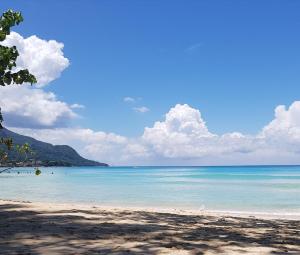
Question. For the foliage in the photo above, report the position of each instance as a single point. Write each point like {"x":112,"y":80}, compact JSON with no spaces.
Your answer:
{"x":8,"y":144}
{"x":22,"y":150}
{"x":8,"y":55}
{"x":11,"y":74}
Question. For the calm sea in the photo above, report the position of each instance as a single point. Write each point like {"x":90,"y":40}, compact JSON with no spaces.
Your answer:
{"x":274,"y":189}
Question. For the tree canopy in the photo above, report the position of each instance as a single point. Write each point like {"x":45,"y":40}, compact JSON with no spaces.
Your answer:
{"x":9,"y":73}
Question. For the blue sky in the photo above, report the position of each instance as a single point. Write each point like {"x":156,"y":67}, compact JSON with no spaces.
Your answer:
{"x":235,"y":61}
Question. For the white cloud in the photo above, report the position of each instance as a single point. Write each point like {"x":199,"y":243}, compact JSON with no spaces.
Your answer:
{"x":31,"y":107}
{"x":104,"y":147}
{"x":77,"y":106}
{"x":23,"y":106}
{"x":129,"y":100}
{"x":142,"y":109}
{"x":44,"y":59}
{"x":283,"y":132}
{"x":184,"y":135}
{"x":286,"y":123}
{"x":177,"y":135}
{"x":139,"y":109}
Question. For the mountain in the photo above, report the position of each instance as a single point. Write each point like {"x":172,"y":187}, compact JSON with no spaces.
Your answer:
{"x":47,"y":154}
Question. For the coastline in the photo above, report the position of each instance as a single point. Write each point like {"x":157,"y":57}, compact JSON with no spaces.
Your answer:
{"x":55,"y":228}
{"x":153,"y":209}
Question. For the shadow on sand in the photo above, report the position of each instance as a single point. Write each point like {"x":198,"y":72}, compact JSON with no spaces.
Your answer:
{"x":25,"y":230}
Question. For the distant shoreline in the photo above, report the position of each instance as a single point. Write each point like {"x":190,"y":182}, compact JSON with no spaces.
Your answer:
{"x":208,"y":166}
{"x":50,"y":165}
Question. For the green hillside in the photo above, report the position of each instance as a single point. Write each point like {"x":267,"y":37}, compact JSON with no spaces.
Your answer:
{"x":46,"y":154}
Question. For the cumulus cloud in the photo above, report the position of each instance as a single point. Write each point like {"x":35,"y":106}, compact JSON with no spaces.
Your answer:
{"x":142,"y":109}
{"x":44,"y":59}
{"x":177,"y":135}
{"x":184,"y":134}
{"x":33,"y":108}
{"x":283,"y":132}
{"x":286,"y":123}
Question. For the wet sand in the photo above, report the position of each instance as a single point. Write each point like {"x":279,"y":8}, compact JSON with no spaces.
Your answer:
{"x":47,"y":228}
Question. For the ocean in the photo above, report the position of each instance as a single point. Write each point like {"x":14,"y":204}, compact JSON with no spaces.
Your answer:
{"x":261,"y":189}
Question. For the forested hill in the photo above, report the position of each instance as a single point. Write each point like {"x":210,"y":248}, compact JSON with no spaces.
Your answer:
{"x":46,"y":154}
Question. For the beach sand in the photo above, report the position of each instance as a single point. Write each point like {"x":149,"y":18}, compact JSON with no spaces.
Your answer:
{"x":45,"y":228}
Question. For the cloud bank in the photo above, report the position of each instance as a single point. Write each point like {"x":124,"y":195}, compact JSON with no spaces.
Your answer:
{"x":183,"y":138}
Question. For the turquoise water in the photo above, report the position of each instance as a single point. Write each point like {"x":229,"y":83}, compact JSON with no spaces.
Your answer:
{"x":251,"y":189}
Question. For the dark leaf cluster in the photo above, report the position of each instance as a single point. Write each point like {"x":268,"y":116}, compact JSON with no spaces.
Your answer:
{"x":8,"y":55}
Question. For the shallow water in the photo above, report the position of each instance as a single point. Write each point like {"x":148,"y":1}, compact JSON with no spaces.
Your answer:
{"x":271,"y":189}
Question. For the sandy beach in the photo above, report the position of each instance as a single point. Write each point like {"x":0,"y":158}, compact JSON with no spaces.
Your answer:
{"x":44,"y":228}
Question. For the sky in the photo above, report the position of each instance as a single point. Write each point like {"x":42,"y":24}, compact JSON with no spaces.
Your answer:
{"x":160,"y":82}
